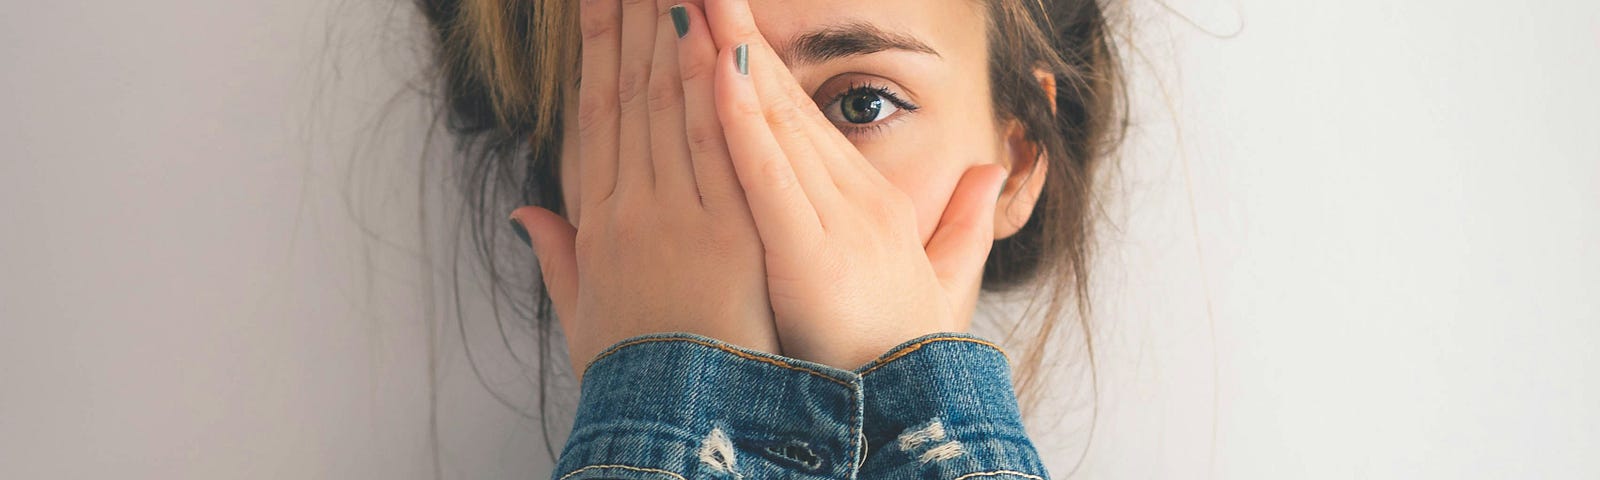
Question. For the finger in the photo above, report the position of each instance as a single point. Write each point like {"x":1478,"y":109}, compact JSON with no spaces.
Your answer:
{"x":634,"y":168}
{"x":669,"y":155}
{"x":552,"y":239}
{"x":697,"y":66}
{"x":600,"y":23}
{"x":961,"y":242}
{"x":784,"y":215}
{"x":794,"y":125}
{"x":803,"y":128}
{"x":732,"y":25}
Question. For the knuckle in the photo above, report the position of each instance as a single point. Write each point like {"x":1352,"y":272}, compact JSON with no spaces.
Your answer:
{"x":630,"y":84}
{"x":664,"y":97}
{"x":695,"y":67}
{"x":784,"y":120}
{"x":595,"y":111}
{"x":747,"y":107}
{"x":597,"y":25}
{"x":776,"y":174}
{"x":717,"y":197}
{"x":703,"y":137}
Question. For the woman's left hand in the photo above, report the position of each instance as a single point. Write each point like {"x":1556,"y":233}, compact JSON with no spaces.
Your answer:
{"x":847,"y":272}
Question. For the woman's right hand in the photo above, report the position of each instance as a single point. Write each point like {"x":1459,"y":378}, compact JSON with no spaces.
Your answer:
{"x":664,"y":240}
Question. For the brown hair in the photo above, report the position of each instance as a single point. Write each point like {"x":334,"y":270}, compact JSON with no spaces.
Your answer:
{"x":501,"y":65}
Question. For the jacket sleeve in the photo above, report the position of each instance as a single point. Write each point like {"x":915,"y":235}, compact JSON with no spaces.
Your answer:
{"x":943,"y":407}
{"x":681,"y":406}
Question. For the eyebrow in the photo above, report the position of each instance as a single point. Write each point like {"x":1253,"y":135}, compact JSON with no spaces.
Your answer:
{"x":846,"y":40}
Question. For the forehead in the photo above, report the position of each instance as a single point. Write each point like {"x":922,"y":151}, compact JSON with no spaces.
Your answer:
{"x":953,"y":26}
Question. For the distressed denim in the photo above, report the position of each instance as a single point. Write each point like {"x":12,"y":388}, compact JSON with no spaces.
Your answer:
{"x":680,"y":406}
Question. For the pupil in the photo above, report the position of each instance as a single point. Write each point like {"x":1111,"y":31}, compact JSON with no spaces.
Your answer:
{"x":862,"y":107}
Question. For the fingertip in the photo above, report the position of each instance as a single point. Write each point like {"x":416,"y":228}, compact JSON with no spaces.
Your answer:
{"x":522,"y":232}
{"x":524,"y":214}
{"x":741,"y":59}
{"x":680,"y":19}
{"x":536,"y":223}
{"x":518,"y":214}
{"x":697,"y":53}
{"x":734,"y":93}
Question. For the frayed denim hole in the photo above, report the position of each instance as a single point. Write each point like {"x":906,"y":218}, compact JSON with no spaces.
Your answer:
{"x":717,"y":453}
{"x":795,"y":453}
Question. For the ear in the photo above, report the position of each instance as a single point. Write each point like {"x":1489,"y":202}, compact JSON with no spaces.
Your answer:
{"x":1026,"y":165}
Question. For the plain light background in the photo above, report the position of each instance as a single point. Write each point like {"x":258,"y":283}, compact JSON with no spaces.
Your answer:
{"x":1357,"y":239}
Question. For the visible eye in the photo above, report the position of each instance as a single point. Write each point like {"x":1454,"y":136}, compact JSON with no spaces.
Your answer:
{"x":860,"y":107}
{"x":864,"y":104}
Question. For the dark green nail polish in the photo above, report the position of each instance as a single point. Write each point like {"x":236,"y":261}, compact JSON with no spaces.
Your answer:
{"x":680,"y":19}
{"x":522,"y":233}
{"x":741,"y":58}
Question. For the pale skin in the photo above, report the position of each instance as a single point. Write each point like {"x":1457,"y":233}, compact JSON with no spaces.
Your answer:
{"x":763,"y":209}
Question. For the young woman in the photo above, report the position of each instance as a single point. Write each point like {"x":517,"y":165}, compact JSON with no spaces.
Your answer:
{"x":763,"y":225}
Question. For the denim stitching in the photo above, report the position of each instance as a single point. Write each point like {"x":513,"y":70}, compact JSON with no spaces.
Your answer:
{"x":857,"y":421}
{"x":737,"y":353}
{"x":998,"y":473}
{"x":915,"y":346}
{"x":624,"y":467}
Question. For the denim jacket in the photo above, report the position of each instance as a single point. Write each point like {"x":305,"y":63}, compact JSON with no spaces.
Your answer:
{"x":679,"y":406}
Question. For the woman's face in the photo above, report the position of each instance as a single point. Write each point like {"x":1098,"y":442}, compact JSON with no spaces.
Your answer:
{"x":907,"y":81}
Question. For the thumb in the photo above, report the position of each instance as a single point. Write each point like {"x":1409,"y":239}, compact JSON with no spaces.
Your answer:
{"x":552,"y":238}
{"x":961,"y":242}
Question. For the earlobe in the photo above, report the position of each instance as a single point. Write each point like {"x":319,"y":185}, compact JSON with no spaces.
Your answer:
{"x":1028,"y":168}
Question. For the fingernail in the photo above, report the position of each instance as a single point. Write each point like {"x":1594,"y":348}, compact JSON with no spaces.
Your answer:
{"x":522,"y":233}
{"x":741,"y":58}
{"x":680,"y":20}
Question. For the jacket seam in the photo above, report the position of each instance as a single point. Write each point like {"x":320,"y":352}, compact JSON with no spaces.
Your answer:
{"x":735,"y":352}
{"x":906,"y":350}
{"x":996,"y":473}
{"x":623,"y":467}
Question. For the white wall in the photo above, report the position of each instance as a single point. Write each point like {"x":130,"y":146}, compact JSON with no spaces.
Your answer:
{"x":1359,"y":240}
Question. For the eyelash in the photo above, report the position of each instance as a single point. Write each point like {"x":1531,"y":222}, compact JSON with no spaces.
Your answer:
{"x":864,"y":130}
